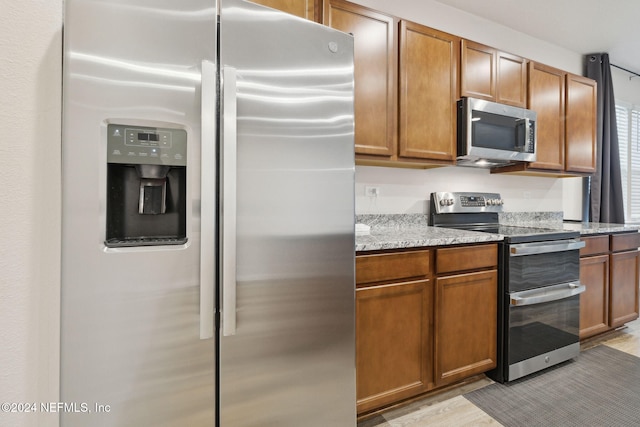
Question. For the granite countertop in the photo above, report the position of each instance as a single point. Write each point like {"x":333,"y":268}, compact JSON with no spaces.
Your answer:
{"x":413,"y":237}
{"x":412,"y":231}
{"x":586,"y":228}
{"x":399,"y":231}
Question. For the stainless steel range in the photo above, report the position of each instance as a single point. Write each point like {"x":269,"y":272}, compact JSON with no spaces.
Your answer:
{"x":539,"y":283}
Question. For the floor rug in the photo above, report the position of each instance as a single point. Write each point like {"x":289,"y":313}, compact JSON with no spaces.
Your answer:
{"x":601,"y":387}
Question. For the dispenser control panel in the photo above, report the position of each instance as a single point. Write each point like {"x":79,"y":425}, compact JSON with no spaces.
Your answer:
{"x":146,"y":145}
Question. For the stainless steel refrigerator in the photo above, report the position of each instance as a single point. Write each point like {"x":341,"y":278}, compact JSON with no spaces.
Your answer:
{"x":208,"y":217}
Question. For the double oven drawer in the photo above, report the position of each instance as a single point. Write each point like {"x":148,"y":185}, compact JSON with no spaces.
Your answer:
{"x":542,"y":305}
{"x":541,"y":264}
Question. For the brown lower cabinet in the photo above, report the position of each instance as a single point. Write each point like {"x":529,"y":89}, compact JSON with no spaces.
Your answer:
{"x":465,"y":337}
{"x":609,"y":268}
{"x":425,"y":318}
{"x":393,"y":336}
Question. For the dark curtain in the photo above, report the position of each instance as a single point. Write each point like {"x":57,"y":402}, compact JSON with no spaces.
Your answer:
{"x":605,"y":186}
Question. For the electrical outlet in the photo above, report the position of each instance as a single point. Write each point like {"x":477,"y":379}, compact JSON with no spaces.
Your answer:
{"x":371,"y":191}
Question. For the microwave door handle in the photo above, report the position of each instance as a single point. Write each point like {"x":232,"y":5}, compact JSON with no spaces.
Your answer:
{"x":521,"y":137}
{"x":207,"y":196}
{"x":519,"y":299}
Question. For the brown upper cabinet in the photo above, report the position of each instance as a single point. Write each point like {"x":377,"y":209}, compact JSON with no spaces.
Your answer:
{"x":487,"y":73}
{"x":566,"y":124}
{"x":428,"y":91}
{"x":581,"y":112}
{"x":547,"y":99}
{"x":308,"y":9}
{"x":375,"y":61}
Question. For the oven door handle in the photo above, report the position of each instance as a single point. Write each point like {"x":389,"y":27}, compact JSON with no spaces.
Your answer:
{"x":546,"y":294}
{"x":545,"y":247}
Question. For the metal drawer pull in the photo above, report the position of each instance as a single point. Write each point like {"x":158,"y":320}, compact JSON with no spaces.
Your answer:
{"x":546,"y":294}
{"x":545,"y":247}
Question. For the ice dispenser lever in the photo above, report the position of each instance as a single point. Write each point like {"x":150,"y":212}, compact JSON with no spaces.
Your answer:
{"x":153,"y":189}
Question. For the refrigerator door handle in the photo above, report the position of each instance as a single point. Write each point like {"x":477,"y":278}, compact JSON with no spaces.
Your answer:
{"x":228,"y":200}
{"x":207,"y":199}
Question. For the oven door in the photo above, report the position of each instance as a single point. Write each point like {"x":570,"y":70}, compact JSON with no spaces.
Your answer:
{"x":542,"y":328}
{"x":540,"y":264}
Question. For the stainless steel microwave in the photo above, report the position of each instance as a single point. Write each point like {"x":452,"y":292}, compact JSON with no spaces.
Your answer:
{"x":492,"y":134}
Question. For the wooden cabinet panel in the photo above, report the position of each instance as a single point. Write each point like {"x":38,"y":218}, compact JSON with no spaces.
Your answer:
{"x":624,"y":288}
{"x":393,"y":343}
{"x":595,"y":245}
{"x":428,"y":92}
{"x":625,"y":241}
{"x":546,"y":97}
{"x":477,"y":71}
{"x":466,"y":258}
{"x":511,"y":80}
{"x":594,"y":302}
{"x":580,"y":132}
{"x":465,"y":325}
{"x":308,"y":9}
{"x":386,"y":267}
{"x":487,"y":73}
{"x":612,"y":279}
{"x":375,"y":61}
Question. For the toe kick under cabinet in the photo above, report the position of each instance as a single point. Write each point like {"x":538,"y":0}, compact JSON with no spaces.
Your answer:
{"x":609,"y":268}
{"x":425,"y":318}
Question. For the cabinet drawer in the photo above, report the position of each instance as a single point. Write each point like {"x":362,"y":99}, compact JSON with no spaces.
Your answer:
{"x":624,"y":242}
{"x":466,"y":258}
{"x":595,"y":245}
{"x":390,"y":267}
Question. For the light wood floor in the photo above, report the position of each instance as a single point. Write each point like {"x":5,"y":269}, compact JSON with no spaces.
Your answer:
{"x":451,"y":409}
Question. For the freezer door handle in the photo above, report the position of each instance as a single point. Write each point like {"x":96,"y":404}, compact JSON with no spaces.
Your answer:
{"x":207,"y":199}
{"x":228,"y":200}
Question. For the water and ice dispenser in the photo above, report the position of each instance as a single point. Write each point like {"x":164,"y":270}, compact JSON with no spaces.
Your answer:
{"x":146,"y":186}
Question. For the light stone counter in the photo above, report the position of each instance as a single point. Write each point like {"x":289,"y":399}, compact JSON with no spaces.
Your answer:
{"x":586,"y":228}
{"x":399,"y":231}
{"x":412,"y":231}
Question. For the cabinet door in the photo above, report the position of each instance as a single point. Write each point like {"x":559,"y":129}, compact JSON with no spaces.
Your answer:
{"x":477,"y":71}
{"x":428,"y":92}
{"x":465,"y":325}
{"x":624,"y":288}
{"x":308,"y":9}
{"x":511,"y":80}
{"x":393,"y":350}
{"x":546,"y":97}
{"x":375,"y":57}
{"x":594,"y":302}
{"x":580,"y":139}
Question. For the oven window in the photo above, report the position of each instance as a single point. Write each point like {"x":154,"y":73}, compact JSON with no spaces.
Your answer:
{"x":535,"y":271}
{"x":540,"y":328}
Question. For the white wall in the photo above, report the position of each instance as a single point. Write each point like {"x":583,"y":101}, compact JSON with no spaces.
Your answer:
{"x":30,"y":84}
{"x":407,"y":190}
